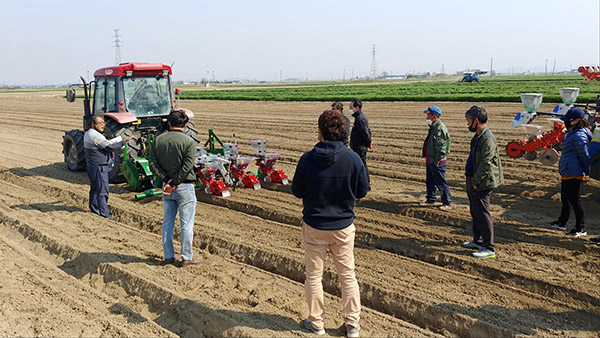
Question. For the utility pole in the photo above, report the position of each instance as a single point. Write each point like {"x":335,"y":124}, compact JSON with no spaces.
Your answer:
{"x":117,"y":45}
{"x":344,"y":78}
{"x":373,"y":65}
{"x":491,"y":67}
{"x":554,"y":67}
{"x":546,"y":68}
{"x":280,"y":76}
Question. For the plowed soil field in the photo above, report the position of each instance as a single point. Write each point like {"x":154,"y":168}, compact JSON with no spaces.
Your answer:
{"x":67,"y":272}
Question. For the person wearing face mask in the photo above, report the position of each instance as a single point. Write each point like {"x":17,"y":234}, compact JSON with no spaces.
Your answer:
{"x":574,"y":168}
{"x":483,"y":173}
{"x":435,"y":149}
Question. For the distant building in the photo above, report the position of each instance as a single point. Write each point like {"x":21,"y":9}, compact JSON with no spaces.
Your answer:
{"x":394,"y":77}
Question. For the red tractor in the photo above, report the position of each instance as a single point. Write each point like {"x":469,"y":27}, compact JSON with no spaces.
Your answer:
{"x":135,"y":99}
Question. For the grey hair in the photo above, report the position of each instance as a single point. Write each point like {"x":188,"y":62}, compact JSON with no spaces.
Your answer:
{"x":95,"y":118}
{"x":477,"y":112}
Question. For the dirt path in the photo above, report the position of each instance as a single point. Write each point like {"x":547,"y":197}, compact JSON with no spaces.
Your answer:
{"x":65,"y":265}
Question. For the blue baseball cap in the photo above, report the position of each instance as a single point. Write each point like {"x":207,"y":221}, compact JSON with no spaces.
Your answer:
{"x":433,"y":110}
{"x":573,"y":113}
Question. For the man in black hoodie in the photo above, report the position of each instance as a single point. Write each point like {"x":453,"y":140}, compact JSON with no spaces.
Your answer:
{"x":328,"y":179}
{"x":360,"y":137}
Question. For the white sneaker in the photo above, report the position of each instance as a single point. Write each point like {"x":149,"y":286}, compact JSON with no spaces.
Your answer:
{"x":484,"y":253}
{"x":445,"y":207}
{"x":352,"y":331}
{"x":307,"y":324}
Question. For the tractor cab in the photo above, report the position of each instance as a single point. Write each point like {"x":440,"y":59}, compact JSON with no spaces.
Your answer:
{"x":134,"y":92}
{"x":135,"y":100}
{"x":139,"y":89}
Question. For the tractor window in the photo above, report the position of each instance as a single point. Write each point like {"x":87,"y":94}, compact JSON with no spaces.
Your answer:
{"x":145,"y":96}
{"x":104,"y":96}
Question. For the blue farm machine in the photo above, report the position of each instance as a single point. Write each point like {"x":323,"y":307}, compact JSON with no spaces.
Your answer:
{"x":472,"y":76}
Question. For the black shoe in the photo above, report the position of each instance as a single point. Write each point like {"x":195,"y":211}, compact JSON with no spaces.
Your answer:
{"x":595,"y":239}
{"x":577,"y":232}
{"x":558,"y":225}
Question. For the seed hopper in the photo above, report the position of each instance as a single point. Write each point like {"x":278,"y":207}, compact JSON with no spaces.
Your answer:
{"x":541,"y":144}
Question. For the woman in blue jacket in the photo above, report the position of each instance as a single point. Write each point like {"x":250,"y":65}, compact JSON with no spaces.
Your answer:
{"x":574,"y":168}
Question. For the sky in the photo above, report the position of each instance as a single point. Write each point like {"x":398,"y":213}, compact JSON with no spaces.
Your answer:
{"x":54,"y":42}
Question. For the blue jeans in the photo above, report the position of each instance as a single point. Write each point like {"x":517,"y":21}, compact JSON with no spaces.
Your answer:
{"x":184,"y":200}
{"x":436,"y":179}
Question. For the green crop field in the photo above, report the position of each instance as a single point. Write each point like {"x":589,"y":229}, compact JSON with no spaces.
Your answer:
{"x":496,"y":89}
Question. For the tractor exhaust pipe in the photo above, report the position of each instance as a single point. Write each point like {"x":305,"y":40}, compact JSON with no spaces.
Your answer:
{"x":87,"y":109}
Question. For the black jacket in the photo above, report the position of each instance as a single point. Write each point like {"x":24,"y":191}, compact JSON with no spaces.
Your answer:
{"x":328,"y":179}
{"x":360,"y":137}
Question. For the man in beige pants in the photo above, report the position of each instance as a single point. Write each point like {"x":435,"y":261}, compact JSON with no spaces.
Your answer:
{"x":328,"y":179}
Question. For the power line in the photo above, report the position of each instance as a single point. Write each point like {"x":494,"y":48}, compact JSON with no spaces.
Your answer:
{"x":117,"y":45}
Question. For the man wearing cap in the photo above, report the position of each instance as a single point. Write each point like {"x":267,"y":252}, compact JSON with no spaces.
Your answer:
{"x":435,"y":149}
{"x":574,"y":168}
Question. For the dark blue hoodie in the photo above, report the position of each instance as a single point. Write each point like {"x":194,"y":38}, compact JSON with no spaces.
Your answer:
{"x":328,"y":179}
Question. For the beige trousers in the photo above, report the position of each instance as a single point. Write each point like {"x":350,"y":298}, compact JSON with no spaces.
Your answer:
{"x":341,"y":244}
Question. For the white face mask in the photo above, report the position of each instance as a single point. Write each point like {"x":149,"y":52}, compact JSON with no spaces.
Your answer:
{"x":429,"y":122}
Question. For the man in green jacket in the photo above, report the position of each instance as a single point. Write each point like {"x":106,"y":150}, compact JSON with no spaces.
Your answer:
{"x":171,"y":158}
{"x":484,"y":173}
{"x":435,"y":149}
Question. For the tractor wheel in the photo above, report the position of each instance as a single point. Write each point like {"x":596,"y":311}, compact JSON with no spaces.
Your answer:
{"x":73,"y":150}
{"x":191,"y":131}
{"x":513,"y":149}
{"x":114,"y":129}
